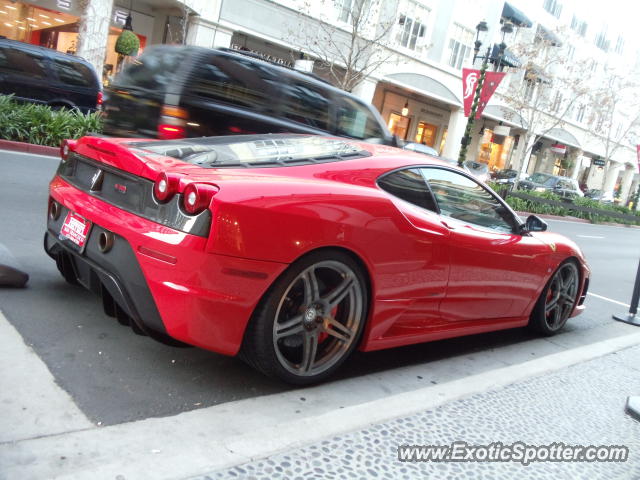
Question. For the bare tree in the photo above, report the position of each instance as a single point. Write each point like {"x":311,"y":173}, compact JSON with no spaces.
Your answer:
{"x":615,"y":113}
{"x":551,"y":85}
{"x":349,"y":41}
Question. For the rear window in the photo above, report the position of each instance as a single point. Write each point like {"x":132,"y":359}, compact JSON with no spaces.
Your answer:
{"x":155,"y":70}
{"x":255,"y":151}
{"x":74,"y":73}
{"x":236,"y":81}
{"x":14,"y":61}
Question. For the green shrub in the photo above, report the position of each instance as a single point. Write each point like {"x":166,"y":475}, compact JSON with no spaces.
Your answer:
{"x":43,"y":125}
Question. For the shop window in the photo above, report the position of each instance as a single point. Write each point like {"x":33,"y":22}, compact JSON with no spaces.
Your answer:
{"x":13,"y":61}
{"x":410,"y":186}
{"x":426,"y":134}
{"x":460,"y":46}
{"x":74,"y":73}
{"x":411,"y":28}
{"x":399,"y":125}
{"x":356,"y":120}
{"x":307,"y":105}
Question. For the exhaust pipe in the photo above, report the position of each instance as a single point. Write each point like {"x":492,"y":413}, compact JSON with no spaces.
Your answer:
{"x":105,"y":241}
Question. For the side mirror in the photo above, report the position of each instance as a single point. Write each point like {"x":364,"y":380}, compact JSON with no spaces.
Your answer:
{"x":533,"y":224}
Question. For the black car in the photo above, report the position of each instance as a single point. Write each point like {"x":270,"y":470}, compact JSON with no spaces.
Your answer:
{"x":42,"y":75}
{"x":543,"y":182}
{"x":185,"y":91}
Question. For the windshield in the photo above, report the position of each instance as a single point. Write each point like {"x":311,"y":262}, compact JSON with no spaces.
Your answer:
{"x":542,"y":178}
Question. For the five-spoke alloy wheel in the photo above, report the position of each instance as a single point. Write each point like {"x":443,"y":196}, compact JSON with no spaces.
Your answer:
{"x":557,"y":300}
{"x":310,"y":320}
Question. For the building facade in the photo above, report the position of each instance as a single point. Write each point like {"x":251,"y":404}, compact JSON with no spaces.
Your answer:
{"x":417,"y":88}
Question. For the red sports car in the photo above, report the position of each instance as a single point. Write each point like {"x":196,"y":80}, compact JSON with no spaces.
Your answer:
{"x":293,"y":250}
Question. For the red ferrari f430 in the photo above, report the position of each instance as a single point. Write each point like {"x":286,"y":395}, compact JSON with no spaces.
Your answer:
{"x":291,"y":251}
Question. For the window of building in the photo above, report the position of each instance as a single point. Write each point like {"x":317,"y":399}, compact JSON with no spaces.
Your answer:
{"x":347,"y":8}
{"x":463,"y":199}
{"x":578,"y":26}
{"x":580,"y":111}
{"x":602,"y":42}
{"x":412,"y":25}
{"x":554,"y":7}
{"x":529,"y":89}
{"x":460,"y":46}
{"x":619,"y":45}
{"x":571,"y":51}
{"x":557,"y":102}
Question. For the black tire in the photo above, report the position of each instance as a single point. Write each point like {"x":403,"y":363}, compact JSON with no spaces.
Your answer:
{"x":302,"y":337}
{"x":557,"y":300}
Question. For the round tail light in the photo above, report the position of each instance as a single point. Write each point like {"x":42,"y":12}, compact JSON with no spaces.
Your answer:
{"x":166,"y":186}
{"x":197,"y":197}
{"x":67,"y":147}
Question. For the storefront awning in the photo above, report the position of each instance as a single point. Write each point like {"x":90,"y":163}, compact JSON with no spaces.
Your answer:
{"x":562,"y":136}
{"x":508,"y":58}
{"x":548,"y":36}
{"x":424,"y":85}
{"x":515,"y":16}
{"x":505,"y":115}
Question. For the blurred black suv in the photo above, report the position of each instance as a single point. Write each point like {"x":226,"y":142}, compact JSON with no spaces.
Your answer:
{"x":185,"y":91}
{"x":46,"y":76}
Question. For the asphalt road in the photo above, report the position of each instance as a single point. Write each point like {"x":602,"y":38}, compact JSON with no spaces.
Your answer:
{"x":116,"y":376}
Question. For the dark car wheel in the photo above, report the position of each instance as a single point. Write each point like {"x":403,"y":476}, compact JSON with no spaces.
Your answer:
{"x":310,"y":320}
{"x":557,"y":300}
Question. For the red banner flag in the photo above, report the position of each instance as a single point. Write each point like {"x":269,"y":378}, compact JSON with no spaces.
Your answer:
{"x":491,"y":82}
{"x":638,"y":153}
{"x":469,"y":82}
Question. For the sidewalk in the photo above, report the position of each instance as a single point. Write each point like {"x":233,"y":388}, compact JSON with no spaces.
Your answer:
{"x":582,"y":404}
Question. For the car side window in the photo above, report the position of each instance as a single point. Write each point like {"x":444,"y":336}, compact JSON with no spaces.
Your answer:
{"x":409,"y":185}
{"x":16,"y":61}
{"x":235,"y":81}
{"x":74,"y":73}
{"x":306,"y":104}
{"x":462,"y":198}
{"x":154,"y":70}
{"x":355,"y":120}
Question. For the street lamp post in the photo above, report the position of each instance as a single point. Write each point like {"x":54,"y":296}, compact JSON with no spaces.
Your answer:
{"x":481,"y":28}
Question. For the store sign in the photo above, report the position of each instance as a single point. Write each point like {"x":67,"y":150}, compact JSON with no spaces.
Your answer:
{"x":470,"y":82}
{"x":264,"y":56}
{"x":559,"y":148}
{"x":64,"y":4}
{"x":120,"y":17}
{"x":599,"y":162}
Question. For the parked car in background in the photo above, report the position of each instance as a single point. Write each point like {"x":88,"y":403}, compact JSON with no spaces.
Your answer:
{"x":45,"y":76}
{"x":292,"y":251}
{"x":420,"y":148}
{"x":174,"y":92}
{"x":480,"y":170}
{"x":507,"y":175}
{"x":596,"y":194}
{"x":543,"y":182}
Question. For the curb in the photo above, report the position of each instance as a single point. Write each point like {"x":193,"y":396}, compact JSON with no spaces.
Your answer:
{"x":29,"y":148}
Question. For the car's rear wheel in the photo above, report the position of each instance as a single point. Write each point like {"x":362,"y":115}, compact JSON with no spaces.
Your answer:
{"x":557,"y":300}
{"x":310,"y":320}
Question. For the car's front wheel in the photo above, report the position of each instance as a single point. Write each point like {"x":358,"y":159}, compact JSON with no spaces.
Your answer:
{"x":557,"y":300}
{"x":310,"y":320}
